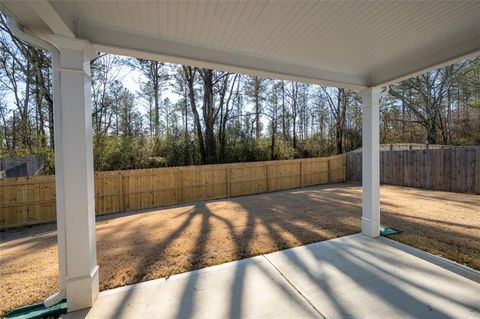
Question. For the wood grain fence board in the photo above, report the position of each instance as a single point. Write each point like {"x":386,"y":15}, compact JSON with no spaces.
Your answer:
{"x":455,"y":169}
{"x":24,"y":200}
{"x":470,"y":168}
{"x":315,"y":172}
{"x":428,"y":170}
{"x":418,"y":169}
{"x":455,"y":165}
{"x":447,"y":168}
{"x":28,"y":201}
{"x":439,"y":159}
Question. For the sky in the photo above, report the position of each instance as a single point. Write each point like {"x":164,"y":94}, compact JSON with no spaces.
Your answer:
{"x":131,"y":79}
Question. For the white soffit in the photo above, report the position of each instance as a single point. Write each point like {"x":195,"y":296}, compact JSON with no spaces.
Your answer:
{"x":343,"y":43}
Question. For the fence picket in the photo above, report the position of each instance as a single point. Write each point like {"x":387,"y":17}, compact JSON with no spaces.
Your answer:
{"x":453,"y":169}
{"x":28,"y":201}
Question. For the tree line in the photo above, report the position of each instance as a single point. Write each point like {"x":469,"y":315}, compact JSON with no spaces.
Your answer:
{"x":185,"y":115}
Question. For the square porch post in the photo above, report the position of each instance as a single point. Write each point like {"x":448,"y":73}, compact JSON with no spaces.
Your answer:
{"x":74,"y":173}
{"x":370,"y":162}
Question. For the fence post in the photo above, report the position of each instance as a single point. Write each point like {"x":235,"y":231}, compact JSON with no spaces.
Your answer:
{"x":328,"y":170}
{"x":19,"y":193}
{"x":301,"y":173}
{"x":120,"y":177}
{"x":267,"y":174}
{"x":152,"y":185}
{"x":179,"y":183}
{"x":227,"y":175}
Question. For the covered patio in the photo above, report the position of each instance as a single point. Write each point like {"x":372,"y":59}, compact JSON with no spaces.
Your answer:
{"x":358,"y":45}
{"x":354,"y":276}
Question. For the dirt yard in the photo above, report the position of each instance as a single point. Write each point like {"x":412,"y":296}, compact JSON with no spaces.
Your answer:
{"x":134,"y":247}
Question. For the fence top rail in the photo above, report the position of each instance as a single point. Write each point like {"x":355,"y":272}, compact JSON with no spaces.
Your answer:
{"x":27,"y":179}
{"x":172,"y":170}
{"x":434,"y":150}
{"x":418,"y":147}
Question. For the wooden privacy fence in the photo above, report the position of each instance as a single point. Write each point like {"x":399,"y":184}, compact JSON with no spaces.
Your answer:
{"x":28,"y":201}
{"x":454,"y":169}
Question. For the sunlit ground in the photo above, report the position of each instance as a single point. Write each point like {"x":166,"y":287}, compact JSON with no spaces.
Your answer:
{"x":134,"y":247}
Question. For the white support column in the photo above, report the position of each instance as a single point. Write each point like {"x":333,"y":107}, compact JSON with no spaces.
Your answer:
{"x":74,"y":174}
{"x":370,"y":162}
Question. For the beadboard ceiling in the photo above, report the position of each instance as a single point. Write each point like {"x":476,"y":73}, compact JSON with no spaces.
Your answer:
{"x":344,"y":43}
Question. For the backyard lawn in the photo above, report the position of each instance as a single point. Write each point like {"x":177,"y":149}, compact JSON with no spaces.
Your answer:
{"x":139,"y":246}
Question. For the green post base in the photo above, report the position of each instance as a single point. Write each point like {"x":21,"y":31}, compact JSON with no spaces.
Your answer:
{"x":384,"y":231}
{"x":38,"y":311}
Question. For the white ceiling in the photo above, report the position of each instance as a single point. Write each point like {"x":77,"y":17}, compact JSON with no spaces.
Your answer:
{"x":346,"y":43}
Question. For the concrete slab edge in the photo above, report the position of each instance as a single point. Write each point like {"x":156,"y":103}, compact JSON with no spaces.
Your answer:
{"x":459,"y":269}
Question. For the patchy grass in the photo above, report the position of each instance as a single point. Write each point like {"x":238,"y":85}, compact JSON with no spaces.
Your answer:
{"x":134,"y":247}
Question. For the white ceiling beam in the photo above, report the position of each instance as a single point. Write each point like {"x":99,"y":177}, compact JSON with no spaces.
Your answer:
{"x":141,"y":46}
{"x":52,"y":19}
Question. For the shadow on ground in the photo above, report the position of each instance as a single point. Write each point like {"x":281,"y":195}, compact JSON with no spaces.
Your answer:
{"x":140,"y":246}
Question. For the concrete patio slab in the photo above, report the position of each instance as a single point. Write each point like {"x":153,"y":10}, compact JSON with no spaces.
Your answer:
{"x":249,"y":288}
{"x":359,"y":277}
{"x":348,"y":277}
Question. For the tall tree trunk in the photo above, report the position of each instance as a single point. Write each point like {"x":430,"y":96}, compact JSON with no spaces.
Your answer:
{"x":189,"y":74}
{"x":5,"y":128}
{"x":257,"y":108}
{"x":284,"y":114}
{"x":51,"y":130}
{"x":449,"y":116}
{"x":431,"y":127}
{"x":343,"y":103}
{"x":273,"y":155}
{"x":25,"y":125}
{"x":155,"y":99}
{"x":186,"y":154}
{"x":294,"y":113}
{"x":38,"y":101}
{"x":14,"y":131}
{"x":208,"y":115}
